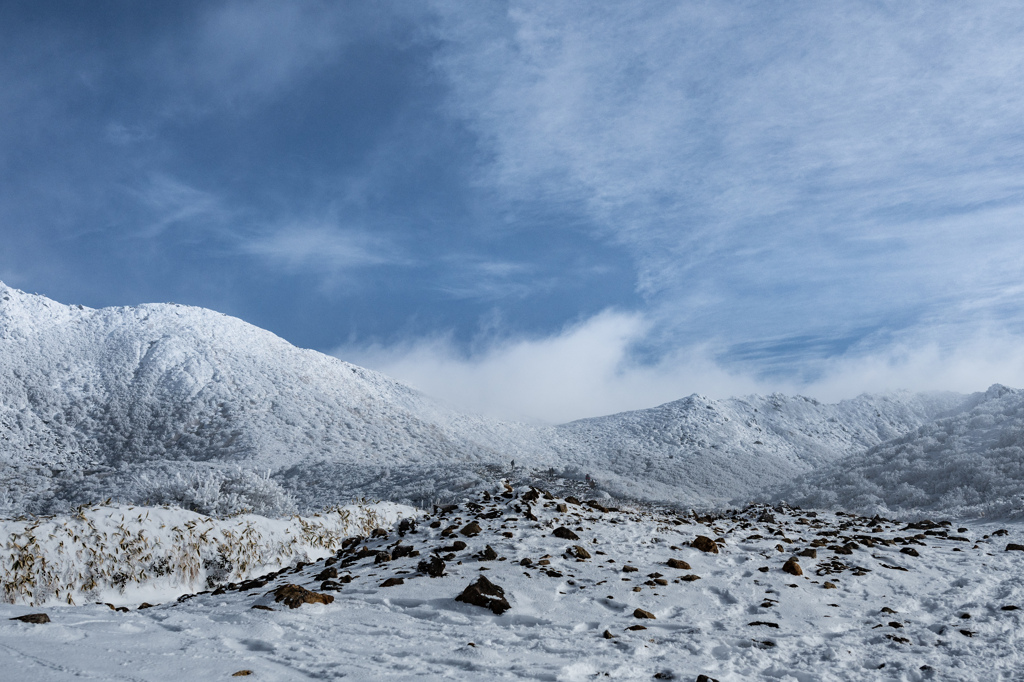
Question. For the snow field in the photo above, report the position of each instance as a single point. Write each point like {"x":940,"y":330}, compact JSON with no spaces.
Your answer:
{"x":121,"y":554}
{"x":945,"y":614}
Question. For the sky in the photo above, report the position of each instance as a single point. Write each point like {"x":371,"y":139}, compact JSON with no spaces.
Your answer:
{"x":538,"y":210}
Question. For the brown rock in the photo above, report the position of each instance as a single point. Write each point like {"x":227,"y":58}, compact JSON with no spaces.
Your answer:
{"x":295,"y":596}
{"x":809,"y":553}
{"x":564,"y":533}
{"x":488,"y":554}
{"x":629,"y":569}
{"x":35,"y":618}
{"x":910,"y":551}
{"x":690,"y":578}
{"x":608,"y":635}
{"x":572,"y":500}
{"x":486,"y":594}
{"x":1014,"y":548}
{"x":562,"y":509}
{"x":580,"y":552}
{"x":327,"y":574}
{"x":829,"y":585}
{"x":679,"y":563}
{"x":391,"y":582}
{"x":637,"y":627}
{"x":242,"y":673}
{"x":640,"y":613}
{"x":792,"y":567}
{"x":470,"y":529}
{"x":704,"y":544}
{"x":146,"y":605}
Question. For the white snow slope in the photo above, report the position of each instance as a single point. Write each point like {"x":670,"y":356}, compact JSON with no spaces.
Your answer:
{"x":165,"y":403}
{"x":880,"y":600}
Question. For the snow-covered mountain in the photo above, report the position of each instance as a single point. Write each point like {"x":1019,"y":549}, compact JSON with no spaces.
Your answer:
{"x":968,"y":464}
{"x":169,"y":403}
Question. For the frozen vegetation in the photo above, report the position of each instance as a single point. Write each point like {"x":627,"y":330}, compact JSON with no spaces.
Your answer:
{"x":185,"y":469}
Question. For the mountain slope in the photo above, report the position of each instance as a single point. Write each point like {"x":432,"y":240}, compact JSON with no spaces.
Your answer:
{"x":967,"y":464}
{"x":167,"y":403}
{"x":717,"y":450}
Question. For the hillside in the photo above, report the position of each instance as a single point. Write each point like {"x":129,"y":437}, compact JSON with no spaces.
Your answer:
{"x":166,"y":403}
{"x":967,"y":464}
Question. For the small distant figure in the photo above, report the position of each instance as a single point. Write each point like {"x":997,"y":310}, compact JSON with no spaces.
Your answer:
{"x":513,"y":466}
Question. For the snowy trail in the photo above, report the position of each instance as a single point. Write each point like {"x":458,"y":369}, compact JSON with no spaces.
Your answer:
{"x":561,"y":609}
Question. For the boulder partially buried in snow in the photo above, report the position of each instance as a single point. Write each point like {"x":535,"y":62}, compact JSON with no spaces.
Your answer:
{"x":295,"y":596}
{"x":486,"y":594}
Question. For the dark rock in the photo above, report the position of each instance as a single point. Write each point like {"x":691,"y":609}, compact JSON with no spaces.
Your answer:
{"x":629,"y":569}
{"x":486,"y":594}
{"x":488,"y":554}
{"x":564,"y":533}
{"x":261,"y":607}
{"x":637,"y":627}
{"x":391,"y":582}
{"x":36,"y":618}
{"x":382,"y":557}
{"x":295,"y":596}
{"x":378,"y":533}
{"x":809,"y":553}
{"x":330,"y":585}
{"x":470,"y":529}
{"x":829,"y":585}
{"x":704,"y":544}
{"x":327,"y":574}
{"x":434,"y":566}
{"x":765,"y":623}
{"x":640,"y":613}
{"x":705,"y":678}
{"x":1012,"y":547}
{"x":399,"y":551}
{"x":146,"y":605}
{"x":1008,"y":607}
{"x":572,"y":500}
{"x":678,"y":563}
{"x":406,"y":526}
{"x":562,"y":509}
{"x":690,"y":578}
{"x":608,"y":635}
{"x":910,"y":551}
{"x":456,"y":546}
{"x":242,"y":673}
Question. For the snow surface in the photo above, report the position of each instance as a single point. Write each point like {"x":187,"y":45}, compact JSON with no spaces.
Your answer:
{"x":171,"y":404}
{"x":947,"y":615}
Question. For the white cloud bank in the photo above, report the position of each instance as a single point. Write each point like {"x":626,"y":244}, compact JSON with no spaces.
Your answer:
{"x":588,"y":369}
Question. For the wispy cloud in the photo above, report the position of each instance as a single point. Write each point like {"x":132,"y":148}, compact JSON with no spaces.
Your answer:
{"x":768,"y":168}
{"x":323,"y":249}
{"x":169,"y":203}
{"x":592,"y":368}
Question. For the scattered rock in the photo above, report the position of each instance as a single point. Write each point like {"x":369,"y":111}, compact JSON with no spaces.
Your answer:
{"x":486,"y":594}
{"x":295,"y":596}
{"x":678,"y":563}
{"x":242,"y":673}
{"x":1012,"y":547}
{"x":608,"y":635}
{"x":910,"y":551}
{"x":634,"y":628}
{"x":809,"y":553}
{"x":792,"y":567}
{"x":379,"y":533}
{"x":562,"y":509}
{"x":765,"y":623}
{"x":1009,"y":607}
{"x":327,"y":574}
{"x":145,"y":605}
{"x":36,"y":618}
{"x":705,"y":678}
{"x":434,"y":566}
{"x":580,"y":552}
{"x":391,"y":582}
{"x":261,"y":607}
{"x":564,"y":533}
{"x":829,"y":585}
{"x":487,"y":554}
{"x":690,"y":578}
{"x":470,"y":529}
{"x":886,"y":609}
{"x":704,"y":544}
{"x":629,"y":569}
{"x":640,"y":613}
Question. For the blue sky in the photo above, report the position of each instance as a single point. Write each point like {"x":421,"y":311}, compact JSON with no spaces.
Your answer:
{"x":540,"y":210}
